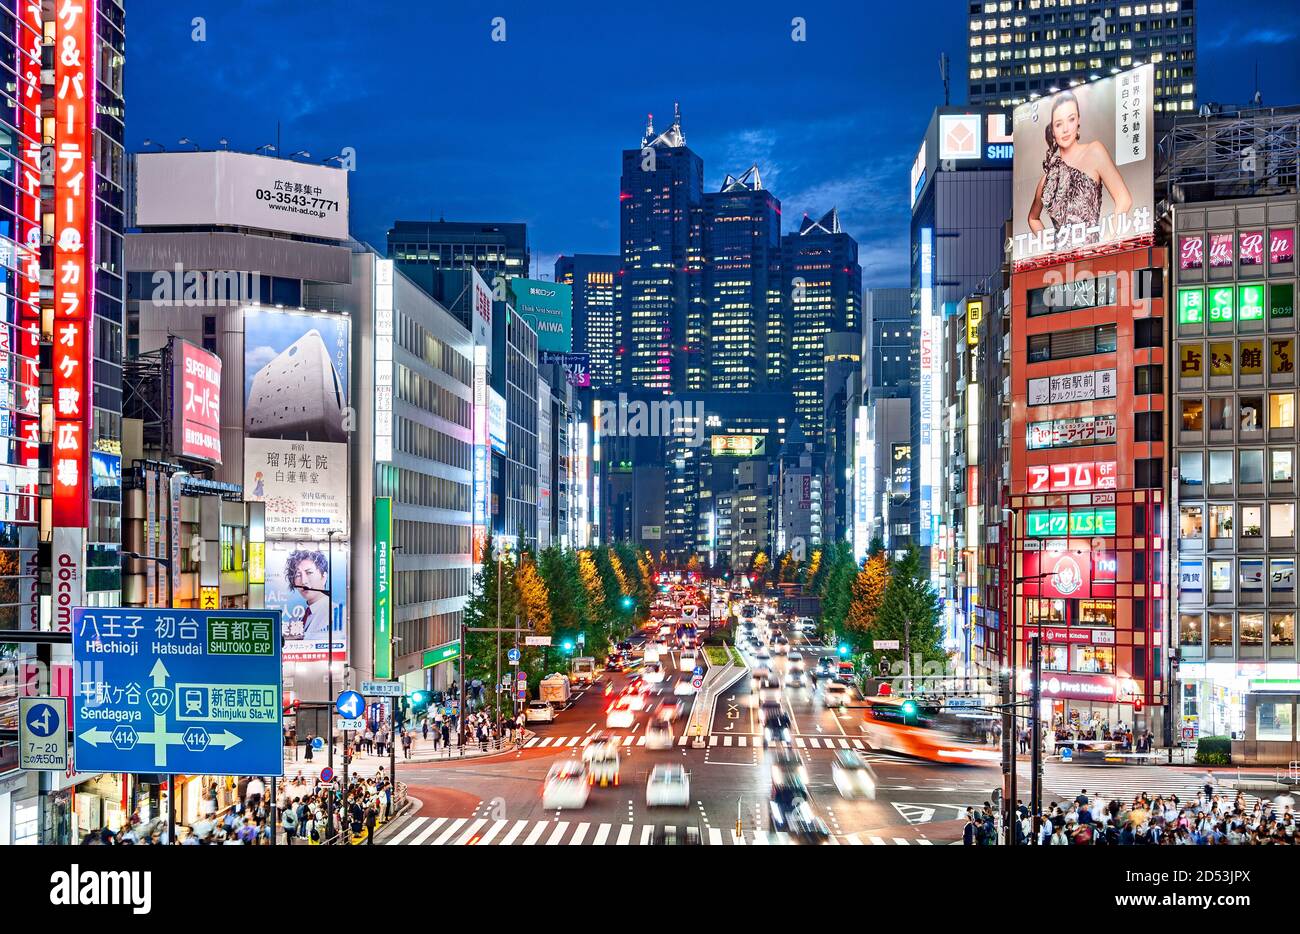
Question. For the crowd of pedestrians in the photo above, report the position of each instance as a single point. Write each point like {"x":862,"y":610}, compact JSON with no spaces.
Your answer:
{"x":1210,"y":819}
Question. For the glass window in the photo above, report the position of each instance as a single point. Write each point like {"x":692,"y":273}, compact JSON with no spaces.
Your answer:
{"x":1094,"y":659}
{"x":1222,"y":413}
{"x":1193,"y":415}
{"x":1056,"y":658}
{"x":1281,"y":410}
{"x":1281,"y":520}
{"x":1282,"y":465}
{"x":1251,"y":521}
{"x":1190,"y":465}
{"x":1252,"y":413}
{"x":1281,"y":629}
{"x":1221,"y":629}
{"x":1221,"y":576}
{"x":1250,"y":466}
{"x":1189,"y":629}
{"x":1251,"y":628}
{"x":1221,"y":521}
{"x":1190,"y":520}
{"x":1220,"y":467}
{"x":1273,"y":719}
{"x":1097,"y":613}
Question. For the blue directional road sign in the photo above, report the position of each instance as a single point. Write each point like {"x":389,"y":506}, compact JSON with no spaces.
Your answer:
{"x":350,"y":705}
{"x":317,"y":743}
{"x":42,"y":733}
{"x":177,"y":692}
{"x":513,"y":656}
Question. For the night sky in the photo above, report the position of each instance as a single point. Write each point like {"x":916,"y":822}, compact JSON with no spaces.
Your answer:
{"x":446,"y":122}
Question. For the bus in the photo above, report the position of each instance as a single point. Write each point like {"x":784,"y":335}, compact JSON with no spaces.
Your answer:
{"x":963,"y":736}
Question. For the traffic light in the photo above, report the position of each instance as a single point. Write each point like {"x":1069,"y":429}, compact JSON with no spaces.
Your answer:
{"x":844,"y":650}
{"x":909,"y":711}
{"x":418,"y":701}
{"x":628,"y":602}
{"x":567,"y":646}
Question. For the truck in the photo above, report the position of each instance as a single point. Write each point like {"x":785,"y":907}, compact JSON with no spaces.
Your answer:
{"x":582,"y":670}
{"x":555,"y":689}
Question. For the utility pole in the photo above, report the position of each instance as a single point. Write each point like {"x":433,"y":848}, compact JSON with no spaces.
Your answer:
{"x":1008,"y":756}
{"x":1036,"y":753}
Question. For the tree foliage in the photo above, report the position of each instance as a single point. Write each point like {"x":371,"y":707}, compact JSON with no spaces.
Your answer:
{"x":910,"y":598}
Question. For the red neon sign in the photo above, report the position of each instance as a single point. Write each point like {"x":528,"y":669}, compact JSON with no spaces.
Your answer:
{"x":1077,"y":475}
{"x":199,"y":400}
{"x":74,"y":265}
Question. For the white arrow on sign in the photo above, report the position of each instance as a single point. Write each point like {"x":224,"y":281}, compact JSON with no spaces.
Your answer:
{"x":95,"y":736}
{"x":225,"y":739}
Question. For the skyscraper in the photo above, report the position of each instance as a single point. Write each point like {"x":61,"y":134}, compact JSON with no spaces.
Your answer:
{"x":740,"y":233}
{"x":1022,"y":49}
{"x":660,"y":189}
{"x":597,"y":326}
{"x":491,"y":248}
{"x":821,"y":292}
{"x":890,"y":336}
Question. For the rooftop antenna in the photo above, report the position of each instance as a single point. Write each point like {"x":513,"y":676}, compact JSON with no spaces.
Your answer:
{"x":943,"y":73}
{"x":1258,"y":99}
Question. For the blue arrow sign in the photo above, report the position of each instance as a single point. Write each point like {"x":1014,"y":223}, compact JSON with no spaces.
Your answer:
{"x":189,"y":692}
{"x":513,"y":655}
{"x":350,"y":705}
{"x":318,"y":743}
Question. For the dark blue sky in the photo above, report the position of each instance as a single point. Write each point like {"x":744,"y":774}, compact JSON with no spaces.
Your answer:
{"x":446,"y":122}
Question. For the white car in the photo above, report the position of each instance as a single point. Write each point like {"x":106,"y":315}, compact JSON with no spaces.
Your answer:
{"x":853,"y":776}
{"x":684,"y":687}
{"x":688,"y":659}
{"x":653,"y":673}
{"x":540,"y":711}
{"x":651,"y":653}
{"x":834,"y":694}
{"x":668,"y":786}
{"x":763,"y":655}
{"x":620,"y":717}
{"x":601,"y":759}
{"x":795,"y":660}
{"x":658,"y":735}
{"x":568,"y":785}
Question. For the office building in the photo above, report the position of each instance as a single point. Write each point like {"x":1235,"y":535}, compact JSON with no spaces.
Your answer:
{"x":491,"y":248}
{"x":891,"y":341}
{"x":821,"y":293}
{"x":597,"y":321}
{"x":1024,"y":49}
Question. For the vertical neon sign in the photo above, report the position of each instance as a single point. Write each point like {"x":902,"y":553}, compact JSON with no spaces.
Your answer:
{"x":929,"y":456}
{"x":74,"y":88}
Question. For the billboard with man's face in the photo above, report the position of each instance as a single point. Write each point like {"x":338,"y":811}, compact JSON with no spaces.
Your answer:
{"x":1084,"y":169}
{"x":310,"y":591}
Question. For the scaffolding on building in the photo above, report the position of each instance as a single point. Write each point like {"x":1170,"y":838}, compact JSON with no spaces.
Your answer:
{"x":1218,"y":155}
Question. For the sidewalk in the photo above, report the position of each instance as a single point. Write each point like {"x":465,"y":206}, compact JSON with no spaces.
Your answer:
{"x":366,"y":765}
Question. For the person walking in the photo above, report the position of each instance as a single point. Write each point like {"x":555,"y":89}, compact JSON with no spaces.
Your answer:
{"x":424,"y":728}
{"x":406,"y":744}
{"x":371,"y":813}
{"x":446,"y":736}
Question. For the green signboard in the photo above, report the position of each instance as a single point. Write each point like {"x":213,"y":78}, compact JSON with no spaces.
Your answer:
{"x":1250,"y":303}
{"x":1281,"y":300}
{"x":1191,"y":306}
{"x":1221,"y":304}
{"x":383,"y":588}
{"x":443,"y":653}
{"x":1069,"y":523}
{"x":548,"y":309}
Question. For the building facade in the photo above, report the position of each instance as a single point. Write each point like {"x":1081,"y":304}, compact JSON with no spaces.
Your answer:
{"x":490,"y":247}
{"x":597,"y":322}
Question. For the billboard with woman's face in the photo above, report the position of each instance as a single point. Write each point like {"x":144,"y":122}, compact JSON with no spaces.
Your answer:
{"x":1084,"y":169}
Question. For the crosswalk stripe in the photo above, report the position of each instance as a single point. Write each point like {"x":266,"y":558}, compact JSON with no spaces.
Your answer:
{"x":877,"y":841}
{"x":640,"y":740}
{"x":406,"y":831}
{"x":514,"y":832}
{"x":715,"y":836}
{"x":737,"y":839}
{"x":531,"y":742}
{"x":492,"y":831}
{"x":586,"y":740}
{"x":573,"y":741}
{"x":547,"y":741}
{"x":624,"y":835}
{"x":538,"y":829}
{"x":713,"y":741}
{"x":726,"y":740}
{"x":557,"y":833}
{"x":428,"y":831}
{"x":742,"y":740}
{"x":854,"y":840}
{"x":923,"y":842}
{"x":627,"y":740}
{"x":602,"y":834}
{"x":901,"y":842}
{"x":447,"y":834}
{"x":857,"y":744}
{"x":646,"y":831}
{"x":844,"y":744}
{"x":682,"y":741}
{"x":760,"y":839}
{"x":799,"y":741}
{"x":473,"y":829}
{"x":579,"y":833}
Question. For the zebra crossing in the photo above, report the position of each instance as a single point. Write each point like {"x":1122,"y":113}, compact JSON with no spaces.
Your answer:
{"x":717,"y":739}
{"x":469,"y":831}
{"x":1123,"y":783}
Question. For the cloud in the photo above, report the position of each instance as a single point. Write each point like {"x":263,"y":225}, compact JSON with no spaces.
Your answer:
{"x":1259,"y":35}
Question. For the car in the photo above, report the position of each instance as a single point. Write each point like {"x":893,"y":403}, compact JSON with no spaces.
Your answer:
{"x":651,"y":653}
{"x":794,"y":678}
{"x":658,"y":735}
{"x":688,"y":659}
{"x":769,"y":689}
{"x":776,"y":729}
{"x":793,"y":815}
{"x":684,"y":687}
{"x":826,"y":666}
{"x":668,"y":786}
{"x":567,"y":785}
{"x":601,"y":759}
{"x":539,"y":711}
{"x":620,"y":717}
{"x":788,"y":768}
{"x":795,"y":660}
{"x":654,"y":673}
{"x":634,"y":700}
{"x":672,"y":835}
{"x":669,"y":709}
{"x":761,"y":670}
{"x":835,"y":694}
{"x":763,"y":655}
{"x":853,"y":775}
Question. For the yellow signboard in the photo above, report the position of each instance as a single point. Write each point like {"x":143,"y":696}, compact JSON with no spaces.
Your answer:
{"x":1191,"y":360}
{"x":257,"y":562}
{"x":974,"y":315}
{"x":738,"y":445}
{"x":1221,"y":359}
{"x":209,"y":598}
{"x":1282,"y":357}
{"x":1252,"y":358}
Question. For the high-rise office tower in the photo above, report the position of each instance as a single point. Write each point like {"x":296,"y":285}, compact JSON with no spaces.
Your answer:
{"x":740,"y":237}
{"x":491,"y":248}
{"x":1023,"y":49}
{"x":821,"y":293}
{"x":597,"y":326}
{"x":659,"y":191}
{"x":890,"y":340}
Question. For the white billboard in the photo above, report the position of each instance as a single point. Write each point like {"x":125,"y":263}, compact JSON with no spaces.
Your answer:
{"x":236,"y":189}
{"x":304,"y":485}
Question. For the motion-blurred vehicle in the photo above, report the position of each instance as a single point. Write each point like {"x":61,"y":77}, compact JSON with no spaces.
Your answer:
{"x":826,"y":667}
{"x":795,"y":660}
{"x":633,"y":700}
{"x":763,"y":655}
{"x":668,"y":710}
{"x":582,"y":670}
{"x":668,"y":786}
{"x":688,"y":659}
{"x":601,"y":759}
{"x":788,"y":766}
{"x":794,"y":678}
{"x":658,"y":735}
{"x":834,"y":693}
{"x":769,"y":689}
{"x":555,"y":689}
{"x":853,"y":775}
{"x":795,"y":817}
{"x":776,"y":729}
{"x":620,"y":716}
{"x":653,"y":673}
{"x":539,"y":711}
{"x":567,"y":785}
{"x":905,"y":726}
{"x":684,"y":688}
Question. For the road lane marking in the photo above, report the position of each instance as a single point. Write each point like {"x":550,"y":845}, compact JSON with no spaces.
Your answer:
{"x":900,"y":841}
{"x":446,"y":835}
{"x":799,"y":741}
{"x":844,"y":744}
{"x":572,"y":742}
{"x":715,"y":836}
{"x":496,"y":828}
{"x":428,"y":831}
{"x":531,"y":742}
{"x":579,"y":833}
{"x":854,"y":839}
{"x":557,"y":833}
{"x":737,"y":839}
{"x":877,"y":841}
{"x":538,"y":829}
{"x":624,"y":835}
{"x":464,"y":838}
{"x":726,"y":740}
{"x":514,"y":832}
{"x":646,"y":831}
{"x":546,"y":741}
{"x":602,"y":834}
{"x":406,"y":831}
